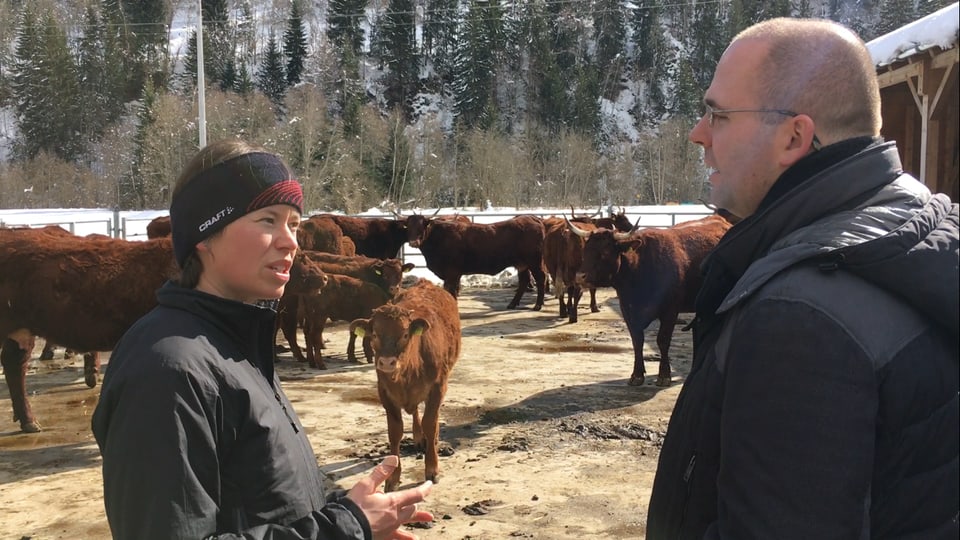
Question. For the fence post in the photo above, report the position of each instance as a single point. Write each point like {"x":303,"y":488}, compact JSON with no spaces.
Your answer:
{"x":116,"y":232}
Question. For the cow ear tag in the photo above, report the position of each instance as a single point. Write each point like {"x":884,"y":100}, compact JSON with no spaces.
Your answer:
{"x":417,"y":331}
{"x":359,"y":331}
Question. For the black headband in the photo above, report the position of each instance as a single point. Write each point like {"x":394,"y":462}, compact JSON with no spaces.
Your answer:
{"x":218,"y":196}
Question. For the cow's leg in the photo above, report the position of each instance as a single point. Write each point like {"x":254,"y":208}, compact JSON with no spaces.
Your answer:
{"x":540,"y":278}
{"x":593,"y":300}
{"x":351,"y":348}
{"x":394,"y":435}
{"x":91,"y":368}
{"x":431,"y":433}
{"x":47,"y":353}
{"x":14,"y":361}
{"x":367,"y":349}
{"x":313,"y":334}
{"x":287,"y":320}
{"x":523,"y":281}
{"x":418,"y":430}
{"x":575,"y":295}
{"x":636,"y":327}
{"x":452,"y":286}
{"x":562,"y":295}
{"x":664,"y":336}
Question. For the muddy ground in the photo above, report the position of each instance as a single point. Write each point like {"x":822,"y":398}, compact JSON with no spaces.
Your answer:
{"x":543,"y":438}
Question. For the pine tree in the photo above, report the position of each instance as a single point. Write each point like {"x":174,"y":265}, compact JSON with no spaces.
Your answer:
{"x":548,"y":98}
{"x":585,"y":110}
{"x":894,"y":14}
{"x":228,"y":79}
{"x":271,"y":79}
{"x":344,"y":18}
{"x":101,"y":88}
{"x":646,"y":32}
{"x":46,"y":90}
{"x":346,"y":35}
{"x":295,"y":44}
{"x":475,"y":67}
{"x":244,"y":84}
{"x":399,"y":54}
{"x":440,"y":37}
{"x":708,"y":42}
{"x":132,"y":187}
{"x":610,"y":34}
{"x":143,"y":24}
{"x":218,"y":45}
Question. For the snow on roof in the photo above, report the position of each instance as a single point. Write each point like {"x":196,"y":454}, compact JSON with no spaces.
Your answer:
{"x":939,"y":29}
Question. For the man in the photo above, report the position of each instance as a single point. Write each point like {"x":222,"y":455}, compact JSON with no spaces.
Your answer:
{"x":823,"y":397}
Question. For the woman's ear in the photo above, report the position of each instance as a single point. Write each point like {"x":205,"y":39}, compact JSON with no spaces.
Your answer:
{"x":203,"y":247}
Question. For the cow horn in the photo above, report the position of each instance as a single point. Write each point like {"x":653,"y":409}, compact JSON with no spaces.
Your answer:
{"x":599,"y":211}
{"x":576,"y":230}
{"x":636,"y":225}
{"x":435,"y":213}
{"x":617,"y":235}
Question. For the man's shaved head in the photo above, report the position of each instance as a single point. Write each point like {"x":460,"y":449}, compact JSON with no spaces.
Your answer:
{"x":821,"y":69}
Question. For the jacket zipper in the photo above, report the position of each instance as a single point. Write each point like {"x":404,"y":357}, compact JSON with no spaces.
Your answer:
{"x":286,"y":412}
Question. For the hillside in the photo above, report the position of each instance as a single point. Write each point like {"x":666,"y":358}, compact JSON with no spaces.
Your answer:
{"x":423,"y":103}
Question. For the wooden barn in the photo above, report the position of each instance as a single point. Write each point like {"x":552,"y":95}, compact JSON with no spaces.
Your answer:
{"x":918,"y":74}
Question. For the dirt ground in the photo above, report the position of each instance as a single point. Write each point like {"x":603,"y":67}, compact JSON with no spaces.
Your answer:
{"x":543,"y":438}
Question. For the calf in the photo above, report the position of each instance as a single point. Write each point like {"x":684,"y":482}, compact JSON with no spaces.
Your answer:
{"x":343,"y":299}
{"x":386,"y":274}
{"x":415,"y":341}
{"x":656,"y":273}
{"x":454,"y":249}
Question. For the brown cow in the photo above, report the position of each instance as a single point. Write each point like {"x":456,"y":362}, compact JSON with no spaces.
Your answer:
{"x":79,"y":292}
{"x":415,"y":341}
{"x":656,"y":273}
{"x":563,"y":255}
{"x":386,"y":274}
{"x":454,"y":249}
{"x":158,"y":227}
{"x":380,"y":238}
{"x":343,"y":299}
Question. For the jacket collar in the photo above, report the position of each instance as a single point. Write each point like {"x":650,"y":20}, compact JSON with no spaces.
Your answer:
{"x":833,"y":194}
{"x":249,"y":326}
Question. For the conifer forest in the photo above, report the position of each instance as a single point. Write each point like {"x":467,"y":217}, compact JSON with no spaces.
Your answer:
{"x":399,"y":103}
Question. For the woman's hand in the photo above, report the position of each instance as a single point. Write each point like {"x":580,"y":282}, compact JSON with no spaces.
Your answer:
{"x":387,"y":511}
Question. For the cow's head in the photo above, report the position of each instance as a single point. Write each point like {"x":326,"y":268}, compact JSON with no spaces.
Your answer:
{"x":391,"y":330}
{"x":306,"y":276}
{"x":601,"y":257}
{"x":417,"y":225}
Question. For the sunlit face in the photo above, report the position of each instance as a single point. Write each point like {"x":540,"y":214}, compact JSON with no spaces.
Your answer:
{"x":739,"y":148}
{"x":250,"y":259}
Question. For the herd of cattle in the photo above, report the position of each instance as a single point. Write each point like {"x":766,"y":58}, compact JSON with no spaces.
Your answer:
{"x":84,"y":292}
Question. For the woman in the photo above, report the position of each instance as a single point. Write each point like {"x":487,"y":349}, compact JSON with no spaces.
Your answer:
{"x":197,"y":437}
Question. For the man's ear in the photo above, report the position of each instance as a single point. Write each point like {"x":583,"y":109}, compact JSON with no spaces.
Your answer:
{"x":798,"y":140}
{"x":202,"y":247}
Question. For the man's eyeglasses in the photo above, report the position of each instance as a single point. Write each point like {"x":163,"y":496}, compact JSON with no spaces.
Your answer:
{"x":710,"y":113}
